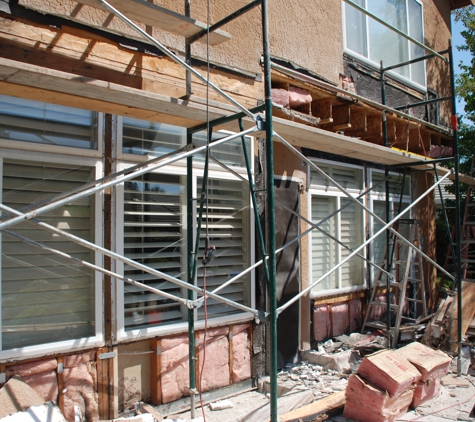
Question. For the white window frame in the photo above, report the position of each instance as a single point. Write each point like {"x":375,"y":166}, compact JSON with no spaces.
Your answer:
{"x":379,"y":196}
{"x":333,"y":192}
{"x":81,"y":343}
{"x":397,"y":76}
{"x":178,"y":168}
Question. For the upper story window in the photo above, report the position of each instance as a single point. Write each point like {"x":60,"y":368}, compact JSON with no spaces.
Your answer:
{"x":368,"y":39}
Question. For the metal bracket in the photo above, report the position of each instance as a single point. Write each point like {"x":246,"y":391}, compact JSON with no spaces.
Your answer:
{"x":261,"y":316}
{"x":159,"y":350}
{"x":260,"y":122}
{"x":60,"y":367}
{"x":109,"y":355}
{"x":3,"y":377}
{"x":198,"y":303}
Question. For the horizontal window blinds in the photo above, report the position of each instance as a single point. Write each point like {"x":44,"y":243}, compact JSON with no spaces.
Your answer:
{"x":46,"y":298}
{"x":228,"y":228}
{"x":154,"y":235}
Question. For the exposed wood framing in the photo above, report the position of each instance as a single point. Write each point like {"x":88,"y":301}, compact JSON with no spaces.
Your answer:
{"x":141,"y":11}
{"x":155,"y":372}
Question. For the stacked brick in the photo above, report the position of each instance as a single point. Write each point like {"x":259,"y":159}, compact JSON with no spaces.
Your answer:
{"x":388,"y":382}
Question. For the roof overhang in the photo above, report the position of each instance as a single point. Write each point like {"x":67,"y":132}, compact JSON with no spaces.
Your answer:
{"x":457,"y":4}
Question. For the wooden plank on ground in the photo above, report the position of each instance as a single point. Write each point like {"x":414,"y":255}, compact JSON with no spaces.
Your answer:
{"x":139,"y":11}
{"x":327,"y":404}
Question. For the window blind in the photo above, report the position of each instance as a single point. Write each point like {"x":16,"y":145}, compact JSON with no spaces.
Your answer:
{"x":228,"y":229}
{"x":154,"y":235}
{"x":46,"y":298}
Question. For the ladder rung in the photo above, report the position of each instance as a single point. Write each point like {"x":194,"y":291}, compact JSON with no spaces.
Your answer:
{"x":413,"y":300}
{"x":414,"y":280}
{"x":376,"y":303}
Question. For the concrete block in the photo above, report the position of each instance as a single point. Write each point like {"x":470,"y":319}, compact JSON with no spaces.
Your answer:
{"x":321,"y":322}
{"x":425,"y":391}
{"x":356,"y":316}
{"x":335,"y":361}
{"x":365,"y":402}
{"x":79,"y":385}
{"x":175,"y":368}
{"x":215,"y":371}
{"x":280,"y":96}
{"x":241,"y":369}
{"x":31,"y":368}
{"x":430,"y":363}
{"x":45,"y":384}
{"x":339,"y":318}
{"x":298,"y":96}
{"x":389,"y":371}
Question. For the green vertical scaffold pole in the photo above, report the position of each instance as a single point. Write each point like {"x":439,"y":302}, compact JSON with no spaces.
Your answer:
{"x":270,"y":216}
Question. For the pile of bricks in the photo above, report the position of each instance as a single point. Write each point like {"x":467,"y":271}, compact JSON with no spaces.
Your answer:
{"x":388,"y":382}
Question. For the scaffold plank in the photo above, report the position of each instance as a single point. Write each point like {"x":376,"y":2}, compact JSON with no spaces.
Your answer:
{"x":140,"y":11}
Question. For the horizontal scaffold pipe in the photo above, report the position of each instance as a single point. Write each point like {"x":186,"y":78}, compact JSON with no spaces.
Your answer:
{"x":100,"y":269}
{"x":131,"y":262}
{"x":367,"y":242}
{"x":317,"y":227}
{"x":355,"y":200}
{"x":175,"y":58}
{"x":393,"y":28}
{"x":121,"y":179}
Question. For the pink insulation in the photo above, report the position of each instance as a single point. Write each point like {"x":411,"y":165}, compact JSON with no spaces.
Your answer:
{"x":321,"y":322}
{"x":367,"y":403}
{"x":76,"y":360}
{"x":339,"y":318}
{"x":79,"y":385}
{"x":241,"y":353}
{"x":175,"y":369}
{"x":31,"y":368}
{"x":425,"y":391}
{"x":355,"y":315}
{"x":216,"y":367}
{"x":389,"y":371}
{"x":45,"y":384}
{"x":298,"y":96}
{"x":280,"y":96}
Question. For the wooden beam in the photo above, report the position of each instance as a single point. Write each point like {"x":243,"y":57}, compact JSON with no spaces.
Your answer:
{"x":140,"y":11}
{"x":155,"y":372}
{"x":312,"y":410}
{"x":323,"y":110}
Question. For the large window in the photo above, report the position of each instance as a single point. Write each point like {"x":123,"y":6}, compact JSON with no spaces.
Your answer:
{"x":340,"y":219}
{"x":370,"y":40}
{"x":155,"y":229}
{"x":46,"y":298}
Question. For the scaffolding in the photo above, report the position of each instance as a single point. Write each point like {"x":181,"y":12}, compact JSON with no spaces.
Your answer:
{"x":260,"y":120}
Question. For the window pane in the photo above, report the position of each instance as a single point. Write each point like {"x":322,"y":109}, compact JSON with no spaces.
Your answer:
{"x":154,"y":235}
{"x":324,"y":250}
{"x":228,"y":229}
{"x":395,"y":184}
{"x":355,"y":22}
{"x":385,"y":44}
{"x":347,"y":177}
{"x":416,"y":32}
{"x":46,"y":298}
{"x":352,"y":236}
{"x":229,"y":153}
{"x":141,"y":137}
{"x":49,"y":124}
